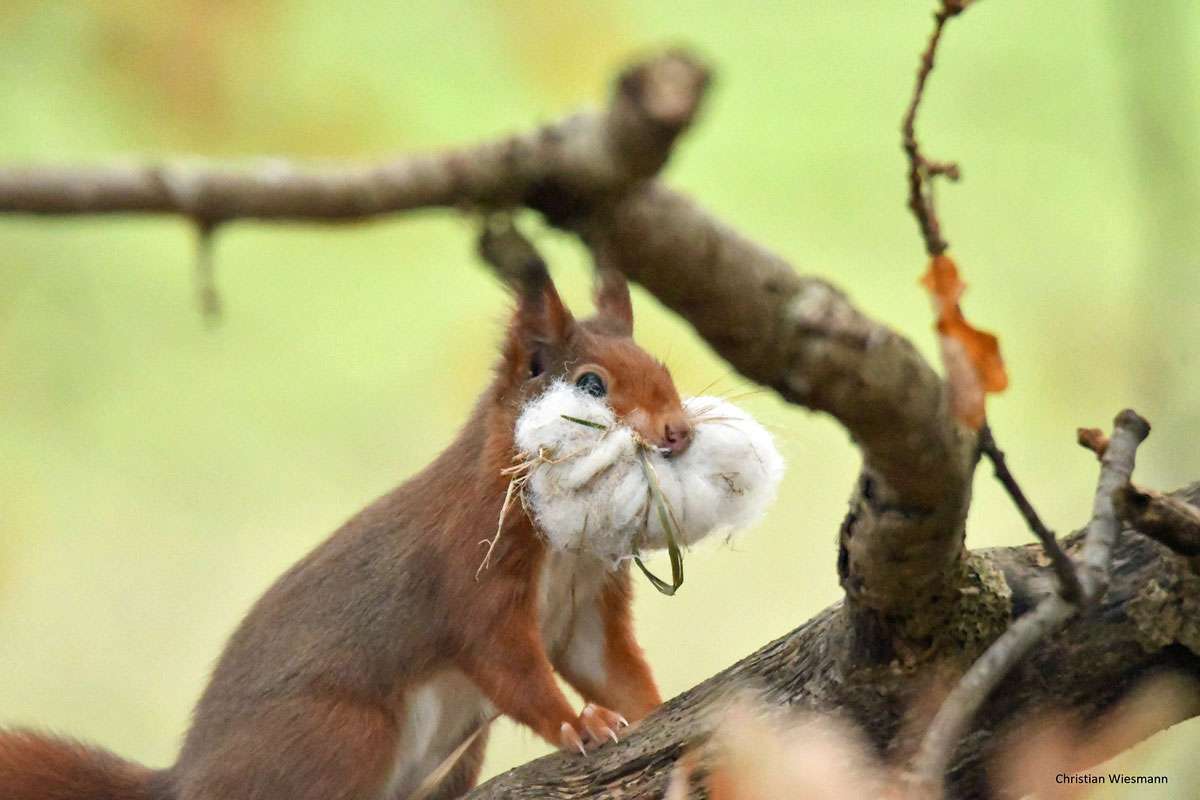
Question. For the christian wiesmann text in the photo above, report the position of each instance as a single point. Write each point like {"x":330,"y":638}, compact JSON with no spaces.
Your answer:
{"x":1112,"y":777}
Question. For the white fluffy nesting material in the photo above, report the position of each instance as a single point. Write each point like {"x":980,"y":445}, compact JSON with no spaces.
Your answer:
{"x":588,"y":491}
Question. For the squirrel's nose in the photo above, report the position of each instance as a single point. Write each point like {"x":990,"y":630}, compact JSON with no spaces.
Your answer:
{"x":677,"y":436}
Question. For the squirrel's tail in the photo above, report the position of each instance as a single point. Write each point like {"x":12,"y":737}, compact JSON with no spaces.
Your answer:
{"x":38,"y":767}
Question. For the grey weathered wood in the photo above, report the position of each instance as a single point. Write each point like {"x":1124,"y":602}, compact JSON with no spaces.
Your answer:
{"x":1144,"y":624}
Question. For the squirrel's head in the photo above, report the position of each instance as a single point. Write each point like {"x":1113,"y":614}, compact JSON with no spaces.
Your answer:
{"x":598,"y":355}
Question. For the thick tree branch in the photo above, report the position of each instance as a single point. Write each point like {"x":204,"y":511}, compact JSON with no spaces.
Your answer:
{"x":976,"y":686}
{"x":585,"y":154}
{"x":1143,"y":625}
{"x":902,"y":541}
{"x":591,"y":173}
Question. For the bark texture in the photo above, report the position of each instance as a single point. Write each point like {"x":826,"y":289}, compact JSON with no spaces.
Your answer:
{"x":1148,"y":622}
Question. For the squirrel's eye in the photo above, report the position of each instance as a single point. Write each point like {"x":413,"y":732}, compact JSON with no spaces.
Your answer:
{"x":592,"y":383}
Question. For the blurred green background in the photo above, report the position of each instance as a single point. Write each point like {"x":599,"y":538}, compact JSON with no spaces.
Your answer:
{"x":156,"y":475}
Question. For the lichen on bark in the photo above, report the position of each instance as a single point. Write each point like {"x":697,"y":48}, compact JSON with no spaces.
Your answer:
{"x":1166,"y":609}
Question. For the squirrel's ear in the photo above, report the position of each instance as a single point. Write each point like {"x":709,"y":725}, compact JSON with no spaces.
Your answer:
{"x":612,"y":299}
{"x":540,"y":320}
{"x":554,"y":321}
{"x":541,"y":315}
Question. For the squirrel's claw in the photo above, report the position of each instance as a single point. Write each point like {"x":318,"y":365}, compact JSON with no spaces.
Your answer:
{"x":600,"y":722}
{"x":570,"y":738}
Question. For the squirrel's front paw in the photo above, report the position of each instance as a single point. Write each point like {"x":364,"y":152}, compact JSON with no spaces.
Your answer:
{"x":601,"y":723}
{"x":595,"y":726}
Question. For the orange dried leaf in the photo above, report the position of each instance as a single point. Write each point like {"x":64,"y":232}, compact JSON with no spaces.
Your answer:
{"x":942,"y":281}
{"x":971,"y":357}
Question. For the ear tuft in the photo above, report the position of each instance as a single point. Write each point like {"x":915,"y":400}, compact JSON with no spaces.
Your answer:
{"x":612,"y":299}
{"x":541,"y":316}
{"x":551,"y":321}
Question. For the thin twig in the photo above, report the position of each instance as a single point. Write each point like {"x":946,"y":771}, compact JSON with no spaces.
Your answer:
{"x":922,"y":170}
{"x":945,"y":732}
{"x":1129,"y":431}
{"x":1092,"y":439}
{"x":1064,"y":567}
{"x":207,"y":296}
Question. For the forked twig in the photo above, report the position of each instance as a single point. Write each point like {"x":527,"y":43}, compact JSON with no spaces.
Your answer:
{"x":928,"y":768}
{"x":922,"y":170}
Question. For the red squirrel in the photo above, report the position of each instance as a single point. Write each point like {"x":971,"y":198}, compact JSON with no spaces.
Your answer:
{"x":372,"y":660}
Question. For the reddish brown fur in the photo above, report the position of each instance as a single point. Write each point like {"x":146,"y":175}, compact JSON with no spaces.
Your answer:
{"x":308,"y":698}
{"x":36,"y":767}
{"x":630,"y":688}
